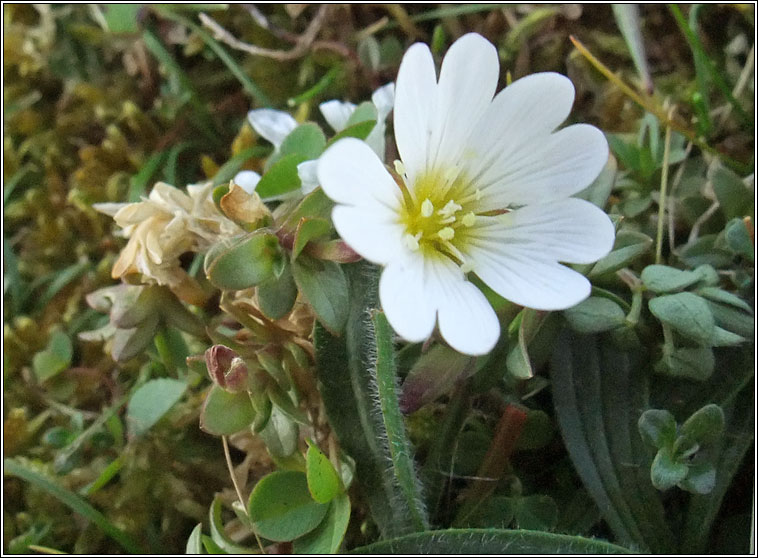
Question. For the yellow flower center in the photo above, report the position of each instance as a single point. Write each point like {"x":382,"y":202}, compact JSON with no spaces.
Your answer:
{"x":437,"y":214}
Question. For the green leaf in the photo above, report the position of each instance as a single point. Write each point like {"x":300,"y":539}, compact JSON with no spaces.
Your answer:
{"x":657,"y":428}
{"x":735,"y":199}
{"x":277,"y":296}
{"x":323,"y":482}
{"x":536,"y":513}
{"x":281,"y":178}
{"x":666,"y":471}
{"x":599,"y":191}
{"x":122,"y":18}
{"x":724,"y":297}
{"x":194,"y":544}
{"x":315,"y":205}
{"x":433,"y":374}
{"x":701,"y":478}
{"x":597,"y":392}
{"x":707,"y":249}
{"x":249,"y":261}
{"x":150,"y":402}
{"x":327,"y":537}
{"x":324,"y":286}
{"x":128,"y":343}
{"x":489,"y":541}
{"x":705,"y":425}
{"x":228,"y":170}
{"x":75,"y":503}
{"x":346,"y":369}
{"x":218,"y":533}
{"x":665,"y":279}
{"x":360,"y":131}
{"x":280,"y":434}
{"x":538,"y":431}
{"x":307,"y":140}
{"x":629,"y":246}
{"x":594,"y":315}
{"x":399,"y":446}
{"x":727,"y":453}
{"x":281,"y":508}
{"x":309,"y":229}
{"x":695,"y":363}
{"x":723,"y":338}
{"x":687,"y":313}
{"x":738,"y":239}
{"x":730,"y":318}
{"x":225,"y":413}
{"x":55,"y":358}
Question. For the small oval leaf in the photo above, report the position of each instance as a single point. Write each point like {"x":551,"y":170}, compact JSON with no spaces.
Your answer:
{"x":281,"y":508}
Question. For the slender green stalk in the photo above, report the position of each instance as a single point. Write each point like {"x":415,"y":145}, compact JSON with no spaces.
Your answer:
{"x":662,"y":198}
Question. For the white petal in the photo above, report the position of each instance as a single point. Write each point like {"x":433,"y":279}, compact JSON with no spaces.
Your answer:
{"x":468,"y":79}
{"x":406,"y":298}
{"x":545,"y":168}
{"x":109,"y":208}
{"x":531,"y":107}
{"x":373,"y":233}
{"x":247,"y":180}
{"x":466,"y":320}
{"x":568,"y":230}
{"x":350,"y":173}
{"x":384,"y":99}
{"x":415,"y":94}
{"x":273,"y":125}
{"x":523,"y":278}
{"x":306,"y":171}
{"x":337,"y":113}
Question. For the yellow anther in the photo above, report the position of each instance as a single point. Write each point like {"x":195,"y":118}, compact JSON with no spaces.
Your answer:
{"x":469,"y":219}
{"x":450,"y":208}
{"x":478,"y":194}
{"x":411,"y":242}
{"x":446,"y":233}
{"x":427,"y":208}
{"x":399,"y":167}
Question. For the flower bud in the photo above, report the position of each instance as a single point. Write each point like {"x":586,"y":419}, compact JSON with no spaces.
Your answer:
{"x":226,"y":368}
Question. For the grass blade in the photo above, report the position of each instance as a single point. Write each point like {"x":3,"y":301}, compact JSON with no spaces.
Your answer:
{"x":628,"y":20}
{"x":698,"y":53}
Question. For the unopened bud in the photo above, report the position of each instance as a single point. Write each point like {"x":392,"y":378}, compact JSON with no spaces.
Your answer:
{"x":226,"y":368}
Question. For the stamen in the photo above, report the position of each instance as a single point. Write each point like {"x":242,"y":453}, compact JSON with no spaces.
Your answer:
{"x":450,"y":208}
{"x":399,"y":167}
{"x":411,"y":242}
{"x":467,"y":266}
{"x":469,"y":219}
{"x":447,"y":220}
{"x":446,"y":233}
{"x":427,"y":208}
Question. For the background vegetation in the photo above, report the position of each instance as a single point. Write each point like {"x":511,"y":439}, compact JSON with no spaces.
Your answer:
{"x":101,"y":102}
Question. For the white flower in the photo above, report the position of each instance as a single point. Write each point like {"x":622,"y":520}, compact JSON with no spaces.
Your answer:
{"x":275,"y":125}
{"x":483,"y":188}
{"x":337,"y":113}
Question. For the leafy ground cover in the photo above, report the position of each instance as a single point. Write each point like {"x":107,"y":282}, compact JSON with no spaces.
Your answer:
{"x":623,"y":424}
